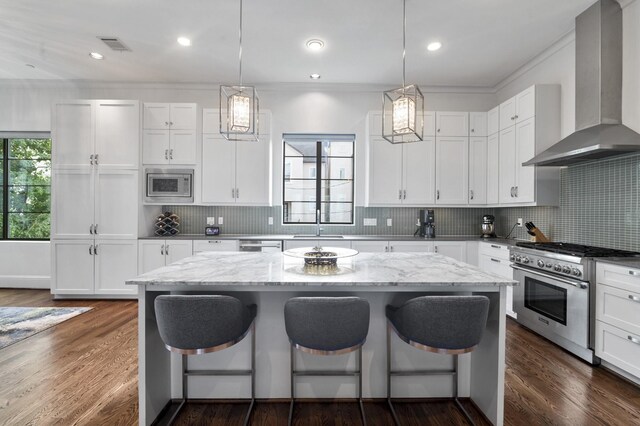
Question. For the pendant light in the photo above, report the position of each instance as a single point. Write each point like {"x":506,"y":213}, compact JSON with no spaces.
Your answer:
{"x":239,"y":107}
{"x":403,"y":108}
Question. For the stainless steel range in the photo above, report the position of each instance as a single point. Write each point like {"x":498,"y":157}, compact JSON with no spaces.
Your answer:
{"x":556,"y":292}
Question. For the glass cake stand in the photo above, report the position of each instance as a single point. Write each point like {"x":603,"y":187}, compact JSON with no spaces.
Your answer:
{"x":320,"y":260}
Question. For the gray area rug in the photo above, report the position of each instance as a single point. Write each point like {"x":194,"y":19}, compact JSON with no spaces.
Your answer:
{"x":17,"y":324}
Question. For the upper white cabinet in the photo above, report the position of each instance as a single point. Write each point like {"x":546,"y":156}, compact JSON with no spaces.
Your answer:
{"x":89,"y":133}
{"x":478,"y":170}
{"x":452,"y":123}
{"x":477,"y":124}
{"x":493,"y":121}
{"x":169,"y":135}
{"x":493,"y":168}
{"x":452,"y":170}
{"x":401,"y":174}
{"x":235,"y":172}
{"x":533,"y":118}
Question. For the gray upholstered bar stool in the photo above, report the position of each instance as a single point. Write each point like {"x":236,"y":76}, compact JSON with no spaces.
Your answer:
{"x":450,"y":325}
{"x":200,"y":324}
{"x":326,"y":326}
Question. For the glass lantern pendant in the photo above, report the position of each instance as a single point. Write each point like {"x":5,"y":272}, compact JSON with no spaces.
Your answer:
{"x":240,"y":110}
{"x":404,"y":115}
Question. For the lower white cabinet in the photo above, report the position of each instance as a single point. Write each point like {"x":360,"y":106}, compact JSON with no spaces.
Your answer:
{"x":454,"y":249}
{"x":93,"y":267}
{"x":411,"y":246}
{"x":370,"y":246}
{"x":215,"y":245}
{"x":154,"y":254}
{"x":494,"y":258}
{"x":291,"y":244}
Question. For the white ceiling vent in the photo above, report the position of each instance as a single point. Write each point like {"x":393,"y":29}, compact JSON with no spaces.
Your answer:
{"x":115,"y":44}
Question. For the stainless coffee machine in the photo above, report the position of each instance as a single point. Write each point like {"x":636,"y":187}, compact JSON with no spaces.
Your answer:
{"x":488,"y":226}
{"x":427,"y":224}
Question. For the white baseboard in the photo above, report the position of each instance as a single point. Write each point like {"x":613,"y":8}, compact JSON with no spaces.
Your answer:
{"x":25,"y":281}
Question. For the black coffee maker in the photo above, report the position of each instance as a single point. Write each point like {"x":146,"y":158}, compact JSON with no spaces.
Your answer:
{"x":427,"y":224}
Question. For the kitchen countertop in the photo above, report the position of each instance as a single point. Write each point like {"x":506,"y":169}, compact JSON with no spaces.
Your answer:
{"x":395,"y":270}
{"x":628,"y":262}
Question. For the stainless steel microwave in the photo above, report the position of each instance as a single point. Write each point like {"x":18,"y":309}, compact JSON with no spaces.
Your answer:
{"x":169,"y":186}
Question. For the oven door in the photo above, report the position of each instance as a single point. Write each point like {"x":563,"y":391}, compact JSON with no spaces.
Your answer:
{"x":554,"y":306}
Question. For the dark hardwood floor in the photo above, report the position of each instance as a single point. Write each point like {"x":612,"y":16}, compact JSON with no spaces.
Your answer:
{"x":84,"y":372}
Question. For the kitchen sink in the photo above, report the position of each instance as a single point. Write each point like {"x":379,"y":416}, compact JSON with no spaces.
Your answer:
{"x":321,"y":237}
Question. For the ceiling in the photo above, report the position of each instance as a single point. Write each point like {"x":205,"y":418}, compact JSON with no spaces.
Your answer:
{"x":483,"y":41}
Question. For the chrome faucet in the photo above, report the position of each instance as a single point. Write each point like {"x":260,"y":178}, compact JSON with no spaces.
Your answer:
{"x":318,"y":229}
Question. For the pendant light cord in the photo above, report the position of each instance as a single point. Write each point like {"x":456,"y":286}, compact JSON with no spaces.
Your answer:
{"x":240,"y":53}
{"x":404,"y":41}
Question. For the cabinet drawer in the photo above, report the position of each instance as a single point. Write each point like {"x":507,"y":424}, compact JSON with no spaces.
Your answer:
{"x":618,"y":307}
{"x":618,"y":276}
{"x":499,"y":251}
{"x":618,"y":347}
{"x":494,"y":265}
{"x":215,"y":245}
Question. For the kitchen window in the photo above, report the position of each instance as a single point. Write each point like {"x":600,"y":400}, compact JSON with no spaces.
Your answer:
{"x":319,"y":176}
{"x":25,"y":187}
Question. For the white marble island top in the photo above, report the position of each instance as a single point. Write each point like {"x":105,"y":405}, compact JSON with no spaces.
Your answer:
{"x":396,"y":270}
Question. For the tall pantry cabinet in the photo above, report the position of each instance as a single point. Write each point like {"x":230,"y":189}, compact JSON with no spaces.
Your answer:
{"x":95,"y":186}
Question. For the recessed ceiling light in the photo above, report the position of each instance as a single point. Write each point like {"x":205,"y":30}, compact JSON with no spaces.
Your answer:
{"x":315,"y":44}
{"x":96,"y":55}
{"x":432,"y":47}
{"x":184,"y":41}
{"x":315,"y":76}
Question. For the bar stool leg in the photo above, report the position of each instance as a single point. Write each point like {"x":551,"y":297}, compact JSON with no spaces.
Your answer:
{"x":393,"y":411}
{"x":185,"y":368}
{"x":291,"y":370}
{"x":364,"y":420}
{"x":456,"y":364}
{"x":253,"y":374}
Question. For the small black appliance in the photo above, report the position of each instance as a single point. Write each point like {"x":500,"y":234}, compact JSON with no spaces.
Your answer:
{"x":427,"y":224}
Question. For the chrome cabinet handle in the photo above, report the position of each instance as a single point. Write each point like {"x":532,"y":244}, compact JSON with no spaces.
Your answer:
{"x":237,"y":193}
{"x":95,"y":229}
{"x":91,"y":250}
{"x":91,"y":229}
{"x":438,"y":130}
{"x":437,"y":194}
{"x":171,"y":123}
{"x":162,"y":250}
{"x":166,"y":154}
{"x":95,"y":159}
{"x":516,"y":191}
{"x":390,"y":248}
{"x":171,"y":154}
{"x":471,"y":192}
{"x":512,"y":191}
{"x":399,"y":194}
{"x":516,"y":116}
{"x":495,"y":246}
{"x":473,"y":130}
{"x":386,"y":249}
{"x":166,"y":249}
{"x":95,"y":249}
{"x":91,"y":159}
{"x":495,"y":260}
{"x":634,"y":340}
{"x":513,"y":118}
{"x":634,"y":298}
{"x":233,"y":193}
{"x":634,"y":273}
{"x":166,"y":123}
{"x":404,"y":195}
{"x":435,"y":249}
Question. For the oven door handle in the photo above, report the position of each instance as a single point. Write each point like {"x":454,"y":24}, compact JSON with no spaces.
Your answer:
{"x":580,"y":284}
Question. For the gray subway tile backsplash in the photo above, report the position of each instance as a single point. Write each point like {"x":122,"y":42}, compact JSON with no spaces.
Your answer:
{"x":600,"y":205}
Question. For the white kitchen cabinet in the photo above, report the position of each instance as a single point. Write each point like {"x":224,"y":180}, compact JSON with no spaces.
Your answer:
{"x":494,"y":258}
{"x":154,"y":254}
{"x":429,"y":129}
{"x":411,"y":246}
{"x":478,"y":170}
{"x":452,"y":170}
{"x":88,"y":133}
{"x":493,"y":168}
{"x":169,"y":135}
{"x":370,"y":246}
{"x":493,"y":121}
{"x":478,"y":124}
{"x":529,"y":123}
{"x":116,"y":204}
{"x":401,"y":174}
{"x":215,"y":245}
{"x":93,"y":266}
{"x":72,"y":203}
{"x":449,"y":123}
{"x":454,"y":249}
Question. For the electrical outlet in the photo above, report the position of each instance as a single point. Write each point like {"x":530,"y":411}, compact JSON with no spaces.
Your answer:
{"x":520,"y":222}
{"x":368,"y":221}
{"x":211,"y":221}
{"x":220,"y":220}
{"x":389,"y":222}
{"x":270,"y":220}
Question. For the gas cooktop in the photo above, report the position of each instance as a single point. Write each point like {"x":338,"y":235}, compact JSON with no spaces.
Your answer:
{"x":578,"y":250}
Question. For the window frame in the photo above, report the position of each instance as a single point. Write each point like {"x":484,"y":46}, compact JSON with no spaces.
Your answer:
{"x":319,"y":139}
{"x":5,"y":139}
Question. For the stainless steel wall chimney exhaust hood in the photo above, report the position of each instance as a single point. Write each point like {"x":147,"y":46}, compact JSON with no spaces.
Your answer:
{"x":599,"y":129}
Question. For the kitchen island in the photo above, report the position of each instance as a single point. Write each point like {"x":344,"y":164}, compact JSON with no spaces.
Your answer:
{"x":270,"y":279}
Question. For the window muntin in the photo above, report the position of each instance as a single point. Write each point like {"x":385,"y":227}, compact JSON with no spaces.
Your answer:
{"x":318,"y":175}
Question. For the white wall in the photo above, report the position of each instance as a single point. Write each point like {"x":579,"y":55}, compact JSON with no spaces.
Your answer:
{"x":25,"y":264}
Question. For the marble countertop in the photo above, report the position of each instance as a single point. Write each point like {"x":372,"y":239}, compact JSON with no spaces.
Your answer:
{"x":627,"y":262}
{"x":393,"y":270}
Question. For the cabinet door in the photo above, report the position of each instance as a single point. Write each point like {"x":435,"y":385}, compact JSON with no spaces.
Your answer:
{"x":253,"y":172}
{"x":72,"y":266}
{"x":419,"y":173}
{"x":526,"y":104}
{"x":116,"y":201}
{"x":178,"y":249}
{"x":477,"y":124}
{"x":211,"y":121}
{"x":452,"y":182}
{"x":150,"y":255}
{"x":118,"y":134}
{"x":507,"y":161}
{"x":182,"y":149}
{"x":493,"y":168}
{"x":73,"y":134}
{"x":454,"y":249}
{"x":429,"y":124}
{"x":72,"y":203}
{"x":619,"y":347}
{"x":183,"y":116}
{"x":218,"y":167}
{"x":477,"y":170}
{"x":411,"y":246}
{"x":156,"y":116}
{"x":155,"y":147}
{"x":525,"y":150}
{"x":385,"y":172}
{"x":452,"y":123}
{"x":507,"y":113}
{"x":116,"y":262}
{"x":493,"y":121}
{"x":370,"y":246}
